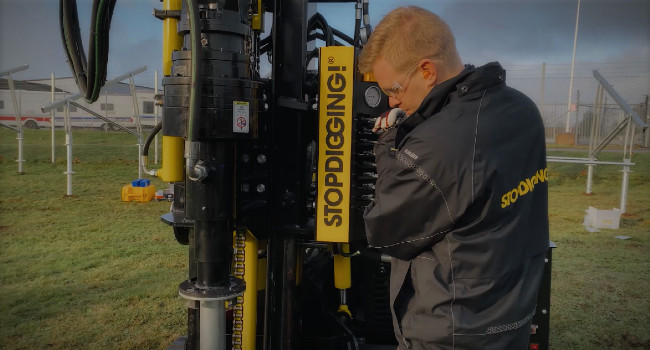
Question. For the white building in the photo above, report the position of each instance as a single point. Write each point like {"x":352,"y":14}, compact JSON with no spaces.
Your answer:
{"x":114,"y":103}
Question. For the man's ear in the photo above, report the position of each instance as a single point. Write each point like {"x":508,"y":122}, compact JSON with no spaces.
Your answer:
{"x":429,"y":71}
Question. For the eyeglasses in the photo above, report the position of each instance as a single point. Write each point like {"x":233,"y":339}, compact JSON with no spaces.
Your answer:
{"x":397,"y":89}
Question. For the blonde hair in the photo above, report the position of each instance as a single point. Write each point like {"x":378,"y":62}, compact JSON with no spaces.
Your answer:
{"x":407,"y":35}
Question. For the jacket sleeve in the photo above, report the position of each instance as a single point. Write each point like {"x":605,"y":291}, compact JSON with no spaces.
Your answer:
{"x":418,"y":197}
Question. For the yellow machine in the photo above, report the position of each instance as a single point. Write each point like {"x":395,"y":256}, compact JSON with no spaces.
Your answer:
{"x":271,"y":174}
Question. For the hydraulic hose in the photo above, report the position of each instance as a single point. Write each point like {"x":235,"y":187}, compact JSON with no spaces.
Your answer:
{"x":90,"y":75}
{"x":366,"y":14}
{"x":357,"y":23}
{"x":195,"y":79}
{"x":317,"y":21}
{"x":192,"y":148}
{"x":144,"y":157}
{"x":154,"y":132}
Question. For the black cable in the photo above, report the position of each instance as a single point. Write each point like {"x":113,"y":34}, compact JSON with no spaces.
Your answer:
{"x":195,"y":77}
{"x":72,"y":42}
{"x":357,"y":26}
{"x":103,"y":41}
{"x":63,"y":37}
{"x":347,"y":330}
{"x":343,"y":36}
{"x":90,"y":74}
{"x":317,"y":21}
{"x":154,"y":132}
{"x":321,"y":36}
{"x":311,"y":55}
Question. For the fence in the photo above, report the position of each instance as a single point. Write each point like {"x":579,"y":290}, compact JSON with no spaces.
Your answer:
{"x":611,"y":115}
{"x":548,"y":86}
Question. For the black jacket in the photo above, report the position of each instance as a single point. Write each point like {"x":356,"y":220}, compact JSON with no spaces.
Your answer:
{"x":461,"y":203}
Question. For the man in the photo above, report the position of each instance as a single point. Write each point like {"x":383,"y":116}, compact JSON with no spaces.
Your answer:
{"x":461,"y":200}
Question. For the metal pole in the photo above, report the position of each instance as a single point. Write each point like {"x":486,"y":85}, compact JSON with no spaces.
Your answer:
{"x":541,"y":95}
{"x":601,"y":116}
{"x":52,"y":114}
{"x":647,"y":121}
{"x":590,"y":177}
{"x":594,"y":120}
{"x":624,"y":186}
{"x":155,"y":110}
{"x":592,"y":137}
{"x":576,"y":131}
{"x":68,"y":144}
{"x":20,"y":160}
{"x":573,"y":62}
{"x":626,"y":168}
{"x":14,"y":70}
{"x":19,"y":124}
{"x":138,"y":125}
{"x":212,"y":325}
{"x":140,"y":146}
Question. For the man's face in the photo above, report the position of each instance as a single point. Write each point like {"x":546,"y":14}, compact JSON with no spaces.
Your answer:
{"x":404,"y":90}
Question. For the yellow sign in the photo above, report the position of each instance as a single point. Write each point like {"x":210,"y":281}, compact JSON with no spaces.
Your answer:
{"x":334,"y":144}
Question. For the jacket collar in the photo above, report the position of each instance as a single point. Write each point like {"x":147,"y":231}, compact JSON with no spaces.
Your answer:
{"x":469,"y":80}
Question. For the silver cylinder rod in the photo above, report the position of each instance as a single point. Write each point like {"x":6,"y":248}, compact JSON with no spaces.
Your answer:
{"x":212,"y":332}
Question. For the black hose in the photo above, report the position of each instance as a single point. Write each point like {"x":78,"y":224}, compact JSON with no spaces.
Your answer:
{"x":321,"y":36}
{"x":195,"y":78}
{"x":311,"y":55}
{"x":154,"y":132}
{"x":357,"y":26}
{"x":64,"y":36}
{"x":317,"y":21}
{"x":343,"y":36}
{"x":72,"y":42}
{"x":90,"y":74}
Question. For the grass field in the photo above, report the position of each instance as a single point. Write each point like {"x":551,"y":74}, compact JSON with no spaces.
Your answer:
{"x":92,"y":272}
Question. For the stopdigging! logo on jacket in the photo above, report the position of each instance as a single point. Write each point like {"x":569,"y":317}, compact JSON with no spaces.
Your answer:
{"x":525,"y":186}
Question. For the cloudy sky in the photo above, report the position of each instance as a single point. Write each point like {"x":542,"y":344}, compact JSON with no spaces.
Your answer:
{"x":515,"y":32}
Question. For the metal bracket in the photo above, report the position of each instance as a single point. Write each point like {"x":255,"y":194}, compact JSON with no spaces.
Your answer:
{"x":164,"y":14}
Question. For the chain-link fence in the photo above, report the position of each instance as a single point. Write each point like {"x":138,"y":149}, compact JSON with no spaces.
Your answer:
{"x":586,"y":118}
{"x":549,"y":84}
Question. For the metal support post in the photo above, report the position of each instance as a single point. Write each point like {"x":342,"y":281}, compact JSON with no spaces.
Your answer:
{"x":52,"y":115}
{"x":140,"y":146}
{"x":625,"y":185}
{"x":68,"y":145}
{"x":590,"y":177}
{"x":573,"y":61}
{"x":627,"y":156}
{"x":20,"y":160}
{"x":138,"y":125}
{"x":576,"y":130}
{"x":19,"y":124}
{"x":646,"y":143}
{"x":155,"y":116}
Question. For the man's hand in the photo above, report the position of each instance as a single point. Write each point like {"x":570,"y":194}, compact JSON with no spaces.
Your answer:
{"x":387,"y":120}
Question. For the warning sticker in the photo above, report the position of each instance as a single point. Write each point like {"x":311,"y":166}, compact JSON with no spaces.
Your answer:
{"x":240,"y":116}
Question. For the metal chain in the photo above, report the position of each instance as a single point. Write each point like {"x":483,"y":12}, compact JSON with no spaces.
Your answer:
{"x":238,"y":305}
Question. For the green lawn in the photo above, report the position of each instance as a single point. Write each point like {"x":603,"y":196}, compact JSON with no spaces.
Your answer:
{"x":92,"y":272}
